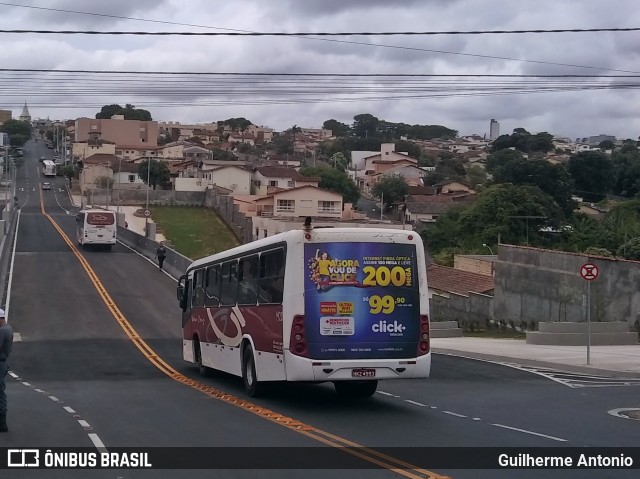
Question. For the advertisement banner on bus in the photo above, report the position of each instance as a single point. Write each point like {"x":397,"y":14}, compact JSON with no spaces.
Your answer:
{"x":361,"y":300}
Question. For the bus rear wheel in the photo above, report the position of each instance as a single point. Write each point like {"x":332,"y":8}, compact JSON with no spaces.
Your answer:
{"x":356,"y":389}
{"x":197,"y":355}
{"x":249,"y":377}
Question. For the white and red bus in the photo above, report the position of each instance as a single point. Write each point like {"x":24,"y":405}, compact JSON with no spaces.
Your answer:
{"x":48,"y":168}
{"x":347,"y":305}
{"x":96,"y":227}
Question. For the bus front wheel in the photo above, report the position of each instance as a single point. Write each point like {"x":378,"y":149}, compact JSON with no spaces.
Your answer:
{"x":249,"y":377}
{"x":359,"y":389}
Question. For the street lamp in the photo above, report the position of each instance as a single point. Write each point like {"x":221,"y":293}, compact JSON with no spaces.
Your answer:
{"x":487,"y":246}
{"x":146,"y":209}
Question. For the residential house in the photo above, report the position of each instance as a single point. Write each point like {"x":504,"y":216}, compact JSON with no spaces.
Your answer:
{"x":265,"y":177}
{"x":92,"y":146}
{"x":196,"y":153}
{"x":135,"y":134}
{"x":262,"y":134}
{"x":236,"y":138}
{"x":476,"y":263}
{"x":412,"y":175}
{"x":176,"y":131}
{"x":123,"y":173}
{"x":175,"y":149}
{"x":133,"y":152}
{"x":445,"y":281}
{"x":301,"y":201}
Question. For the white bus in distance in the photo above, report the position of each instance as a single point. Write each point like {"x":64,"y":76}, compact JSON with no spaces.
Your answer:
{"x":346,"y":305}
{"x":96,"y":227}
{"x":48,"y":168}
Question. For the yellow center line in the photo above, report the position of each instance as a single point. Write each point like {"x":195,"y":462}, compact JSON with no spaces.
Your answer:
{"x":370,"y":455}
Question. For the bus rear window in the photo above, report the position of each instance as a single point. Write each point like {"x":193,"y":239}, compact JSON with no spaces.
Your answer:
{"x":100,"y":219}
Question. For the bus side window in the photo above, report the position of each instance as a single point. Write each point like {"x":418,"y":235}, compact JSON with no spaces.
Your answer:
{"x":247,"y":279}
{"x":212,"y":286}
{"x":229,"y":287}
{"x":272,"y":265}
{"x":198,"y":296}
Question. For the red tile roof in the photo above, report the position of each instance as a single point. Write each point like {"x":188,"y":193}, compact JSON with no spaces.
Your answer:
{"x":451,"y":280}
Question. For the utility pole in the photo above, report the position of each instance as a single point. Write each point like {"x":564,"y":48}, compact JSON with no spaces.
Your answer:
{"x":381,"y":205}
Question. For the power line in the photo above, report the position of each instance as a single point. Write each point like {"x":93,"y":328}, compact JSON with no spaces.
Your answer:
{"x":321,"y":34}
{"x":325,"y":39}
{"x":327,"y":74}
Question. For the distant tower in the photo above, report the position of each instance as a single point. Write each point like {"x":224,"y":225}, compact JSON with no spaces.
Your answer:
{"x":494,"y":129}
{"x":25,"y":116}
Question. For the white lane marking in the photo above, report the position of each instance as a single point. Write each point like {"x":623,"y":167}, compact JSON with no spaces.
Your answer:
{"x":454,"y":414}
{"x":530,"y":432}
{"x":38,"y":390}
{"x":97,"y":442}
{"x":416,"y":403}
{"x":150,"y":261}
{"x":618,"y":412}
{"x":477,"y":419}
{"x":54,"y":399}
{"x":16,"y":337}
{"x":388,"y":394}
{"x":13,"y":375}
{"x":13,"y":258}
{"x":83,"y":423}
{"x":69,"y":410}
{"x":26,"y":384}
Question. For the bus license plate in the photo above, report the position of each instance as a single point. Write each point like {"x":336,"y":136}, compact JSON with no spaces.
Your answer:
{"x":363,"y":373}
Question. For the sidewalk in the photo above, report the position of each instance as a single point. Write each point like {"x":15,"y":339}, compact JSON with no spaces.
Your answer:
{"x":618,"y":361}
{"x":136,"y":224}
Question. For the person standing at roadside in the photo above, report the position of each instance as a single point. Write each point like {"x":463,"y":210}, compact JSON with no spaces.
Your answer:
{"x":161,"y":253}
{"x":6,"y":342}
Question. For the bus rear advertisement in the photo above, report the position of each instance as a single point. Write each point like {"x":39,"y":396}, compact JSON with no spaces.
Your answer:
{"x":96,"y":227}
{"x":346,"y":305}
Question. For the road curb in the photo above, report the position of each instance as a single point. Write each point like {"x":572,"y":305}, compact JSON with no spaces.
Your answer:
{"x":570,"y":368}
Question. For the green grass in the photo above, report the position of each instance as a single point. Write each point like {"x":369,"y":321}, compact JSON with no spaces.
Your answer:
{"x":195,"y":232}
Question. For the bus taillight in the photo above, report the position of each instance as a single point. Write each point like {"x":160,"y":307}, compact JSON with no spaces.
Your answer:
{"x":424,"y":344}
{"x":298,"y":342}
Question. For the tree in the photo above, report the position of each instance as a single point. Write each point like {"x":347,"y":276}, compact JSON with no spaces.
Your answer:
{"x":607,"y":145}
{"x":391,"y":189}
{"x":595,"y":251}
{"x":552,"y":179}
{"x":365,"y":125}
{"x":104,"y":182}
{"x":630,"y":250}
{"x":339,"y":161}
{"x":17,"y":131}
{"x":334,"y":180}
{"x":158,"y":175}
{"x":237,"y":124}
{"x":593,"y":174}
{"x":626,"y":163}
{"x":337,"y":128}
{"x":130,"y":112}
{"x":476,"y":175}
{"x":500,"y":158}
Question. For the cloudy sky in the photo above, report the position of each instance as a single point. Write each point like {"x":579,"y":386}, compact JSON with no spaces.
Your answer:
{"x":574,"y":107}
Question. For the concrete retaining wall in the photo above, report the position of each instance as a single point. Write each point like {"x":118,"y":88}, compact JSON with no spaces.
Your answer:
{"x":535,"y":285}
{"x":575,"y":334}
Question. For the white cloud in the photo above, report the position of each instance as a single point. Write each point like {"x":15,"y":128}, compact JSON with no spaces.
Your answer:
{"x":574,"y":114}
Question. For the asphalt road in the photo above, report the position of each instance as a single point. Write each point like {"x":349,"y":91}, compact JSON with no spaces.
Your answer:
{"x":74,"y":354}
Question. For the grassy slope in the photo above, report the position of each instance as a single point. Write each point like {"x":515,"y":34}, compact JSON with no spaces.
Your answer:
{"x":194,"y":232}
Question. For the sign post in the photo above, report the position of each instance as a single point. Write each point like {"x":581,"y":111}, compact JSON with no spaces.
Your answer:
{"x":589,"y":272}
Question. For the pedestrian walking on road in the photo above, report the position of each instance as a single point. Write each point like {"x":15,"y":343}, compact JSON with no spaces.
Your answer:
{"x":161,"y":252}
{"x":6,"y":342}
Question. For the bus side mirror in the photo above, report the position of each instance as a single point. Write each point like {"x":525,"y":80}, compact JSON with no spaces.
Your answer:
{"x":180,"y":293}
